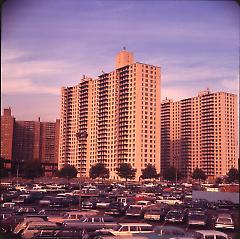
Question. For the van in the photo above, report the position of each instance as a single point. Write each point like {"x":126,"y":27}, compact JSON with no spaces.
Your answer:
{"x":74,"y":215}
{"x":34,"y":227}
{"x":126,"y":229}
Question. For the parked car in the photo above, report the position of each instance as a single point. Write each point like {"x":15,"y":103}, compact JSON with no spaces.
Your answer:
{"x":45,"y":201}
{"x":169,"y":231}
{"x":71,"y":215}
{"x":91,"y":223}
{"x":125,"y":229}
{"x":24,"y":210}
{"x":170,"y":201}
{"x":224,"y":221}
{"x":8,"y":196}
{"x":21,"y":198}
{"x":90,"y":203}
{"x":59,"y":202}
{"x":156,"y":213}
{"x":103,"y":204}
{"x":135,"y":211}
{"x":176,"y":215}
{"x":197,"y":218}
{"x":207,"y":234}
{"x":8,"y":205}
{"x":125,"y":200}
{"x":60,"y":234}
{"x":225,"y":204}
{"x":116,"y":208}
{"x":34,"y":227}
{"x":144,"y":203}
{"x":5,"y":215}
{"x":8,"y":224}
{"x":23,"y":224}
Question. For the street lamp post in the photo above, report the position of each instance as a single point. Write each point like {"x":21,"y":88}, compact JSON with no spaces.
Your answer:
{"x":81,"y":136}
{"x":176,"y":169}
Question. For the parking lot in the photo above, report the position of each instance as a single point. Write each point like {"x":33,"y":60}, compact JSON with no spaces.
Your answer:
{"x":117,"y":203}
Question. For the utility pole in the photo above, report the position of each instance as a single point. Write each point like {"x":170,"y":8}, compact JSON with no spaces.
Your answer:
{"x":81,"y":136}
{"x":176,"y":169}
{"x":17,"y":172}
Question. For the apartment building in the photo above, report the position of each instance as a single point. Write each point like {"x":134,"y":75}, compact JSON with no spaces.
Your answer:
{"x":7,"y":127}
{"x":75,"y":118}
{"x":29,"y":140}
{"x":200,"y":132}
{"x":120,"y":113}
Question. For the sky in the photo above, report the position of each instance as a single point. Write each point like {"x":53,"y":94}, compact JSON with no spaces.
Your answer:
{"x":48,"y":44}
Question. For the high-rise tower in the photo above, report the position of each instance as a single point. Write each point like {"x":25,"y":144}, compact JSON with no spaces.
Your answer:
{"x":200,"y":132}
{"x":123,"y":115}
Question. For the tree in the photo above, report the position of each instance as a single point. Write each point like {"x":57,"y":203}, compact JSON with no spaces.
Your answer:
{"x":171,"y":174}
{"x":126,"y":171}
{"x":32,"y":169}
{"x":149,"y":172}
{"x":199,"y":174}
{"x":3,"y":170}
{"x":232,"y":175}
{"x":68,"y":171}
{"x":99,"y":171}
{"x":218,"y":180}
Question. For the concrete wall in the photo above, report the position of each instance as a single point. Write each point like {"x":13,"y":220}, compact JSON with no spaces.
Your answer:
{"x":214,"y":196}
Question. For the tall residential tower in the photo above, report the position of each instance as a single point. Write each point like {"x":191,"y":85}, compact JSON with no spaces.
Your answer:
{"x":200,"y":132}
{"x":120,"y":111}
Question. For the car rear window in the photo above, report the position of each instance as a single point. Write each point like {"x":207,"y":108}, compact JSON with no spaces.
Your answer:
{"x":146,"y":228}
{"x":224,"y":220}
{"x":108,"y":219}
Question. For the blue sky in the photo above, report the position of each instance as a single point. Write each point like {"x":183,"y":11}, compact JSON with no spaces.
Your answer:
{"x":51,"y":43}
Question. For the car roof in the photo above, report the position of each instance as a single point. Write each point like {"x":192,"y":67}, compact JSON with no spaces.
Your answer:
{"x":136,"y":205}
{"x":170,"y":228}
{"x":82,"y":212}
{"x":134,"y":224}
{"x":41,"y":223}
{"x":224,"y":215}
{"x":211,"y":232}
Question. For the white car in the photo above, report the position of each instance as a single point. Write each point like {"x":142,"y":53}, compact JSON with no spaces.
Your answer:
{"x":9,"y":205}
{"x":129,"y":229}
{"x":224,"y":221}
{"x":170,"y":201}
{"x":144,"y":203}
{"x":210,"y":234}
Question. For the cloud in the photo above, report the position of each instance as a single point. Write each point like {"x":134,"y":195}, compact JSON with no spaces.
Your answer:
{"x":177,"y":93}
{"x":26,"y":86}
{"x":196,"y":73}
{"x":231,"y":84}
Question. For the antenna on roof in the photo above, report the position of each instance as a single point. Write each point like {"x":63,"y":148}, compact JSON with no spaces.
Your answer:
{"x":103,"y":72}
{"x":124,"y":48}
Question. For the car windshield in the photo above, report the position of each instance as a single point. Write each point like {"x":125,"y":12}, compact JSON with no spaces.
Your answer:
{"x":198,"y":235}
{"x":174,"y":213}
{"x":116,"y":228}
{"x":154,"y":211}
{"x":83,"y":219}
{"x":66,"y":215}
{"x":169,"y":231}
{"x":196,"y":217}
{"x":224,"y":220}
